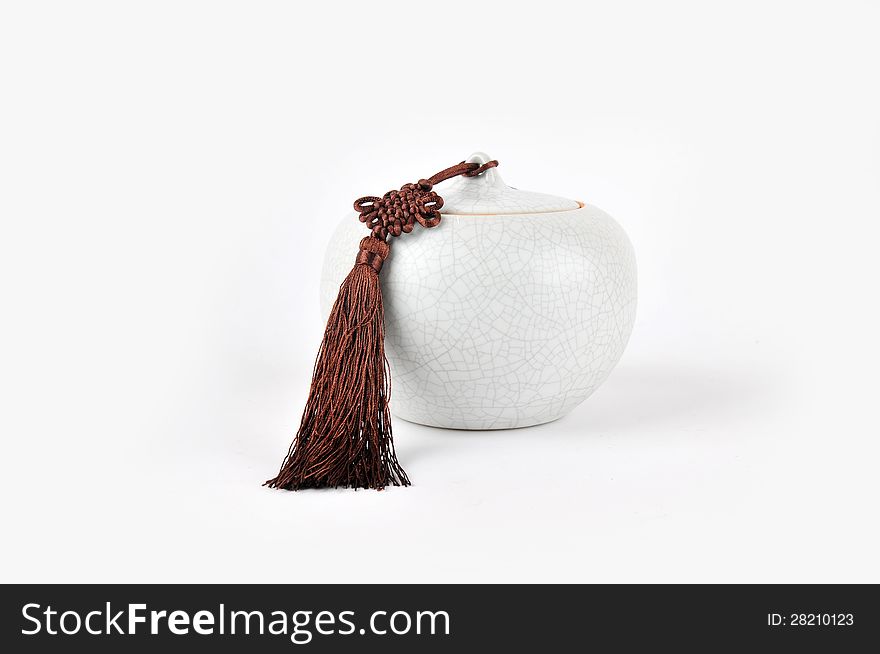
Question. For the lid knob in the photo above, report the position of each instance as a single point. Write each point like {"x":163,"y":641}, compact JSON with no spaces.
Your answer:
{"x":486,"y":194}
{"x":488,"y":178}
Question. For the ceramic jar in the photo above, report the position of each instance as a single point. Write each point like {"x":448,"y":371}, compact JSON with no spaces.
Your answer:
{"x":509,"y":313}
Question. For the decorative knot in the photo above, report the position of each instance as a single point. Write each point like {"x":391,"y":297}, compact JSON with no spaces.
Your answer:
{"x":372,"y":253}
{"x":397,"y":212}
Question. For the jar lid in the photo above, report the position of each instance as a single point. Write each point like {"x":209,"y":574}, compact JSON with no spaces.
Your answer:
{"x":487,"y":194}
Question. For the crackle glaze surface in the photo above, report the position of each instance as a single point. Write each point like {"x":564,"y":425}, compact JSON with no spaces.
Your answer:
{"x":499,"y":321}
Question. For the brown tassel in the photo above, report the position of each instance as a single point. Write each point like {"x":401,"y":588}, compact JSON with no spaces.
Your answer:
{"x":344,"y":438}
{"x":345,"y":435}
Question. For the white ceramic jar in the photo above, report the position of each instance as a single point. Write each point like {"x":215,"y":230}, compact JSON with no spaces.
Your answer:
{"x":509,"y":313}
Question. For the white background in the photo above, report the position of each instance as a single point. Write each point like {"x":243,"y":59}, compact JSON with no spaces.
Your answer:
{"x":169,"y":176}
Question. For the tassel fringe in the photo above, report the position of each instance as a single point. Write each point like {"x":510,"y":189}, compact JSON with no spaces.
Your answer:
{"x":344,"y":438}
